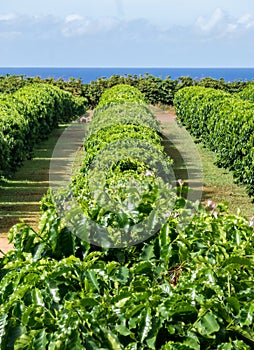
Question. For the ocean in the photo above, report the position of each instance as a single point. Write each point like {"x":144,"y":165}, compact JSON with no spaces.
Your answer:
{"x":89,"y":74}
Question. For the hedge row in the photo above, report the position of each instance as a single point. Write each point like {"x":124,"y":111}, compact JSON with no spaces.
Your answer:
{"x":124,"y":155}
{"x":27,"y":116}
{"x":225,"y":124}
{"x":247,"y":93}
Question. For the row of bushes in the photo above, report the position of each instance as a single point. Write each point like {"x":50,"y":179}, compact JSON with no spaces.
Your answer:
{"x":155,"y":89}
{"x":123,"y":162}
{"x":189,"y":286}
{"x":225,"y":124}
{"x":27,"y":116}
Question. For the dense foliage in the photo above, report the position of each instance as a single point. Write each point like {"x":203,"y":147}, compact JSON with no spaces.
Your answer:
{"x":156,"y":90}
{"x":121,"y":93}
{"x":123,"y":173}
{"x":189,"y":286}
{"x":225,"y":124}
{"x":247,"y":93}
{"x":28,"y":115}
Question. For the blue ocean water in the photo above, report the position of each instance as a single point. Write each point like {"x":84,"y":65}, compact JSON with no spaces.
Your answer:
{"x":89,"y":74}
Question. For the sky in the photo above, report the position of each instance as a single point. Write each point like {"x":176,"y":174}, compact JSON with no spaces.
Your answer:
{"x":127,"y":33}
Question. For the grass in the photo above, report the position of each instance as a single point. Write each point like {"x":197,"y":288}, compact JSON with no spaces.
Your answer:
{"x":219,"y":186}
{"x":218,"y":183}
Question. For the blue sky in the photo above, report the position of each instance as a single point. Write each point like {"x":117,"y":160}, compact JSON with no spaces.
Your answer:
{"x":127,"y":33}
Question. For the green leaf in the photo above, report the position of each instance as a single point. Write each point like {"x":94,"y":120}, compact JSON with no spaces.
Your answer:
{"x":88,"y":301}
{"x":39,"y":250}
{"x":123,"y":330}
{"x":145,"y":324}
{"x":3,"y":323}
{"x":208,"y":324}
{"x":113,"y":341}
{"x":40,"y":340}
{"x":234,"y":303}
{"x":121,"y":274}
{"x":92,"y":278}
{"x":37,"y":298}
{"x":148,"y":252}
{"x":142,"y":267}
{"x":23,"y":342}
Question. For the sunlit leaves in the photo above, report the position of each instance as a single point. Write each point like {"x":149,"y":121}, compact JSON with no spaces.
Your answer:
{"x":224,"y":123}
{"x":27,"y":116}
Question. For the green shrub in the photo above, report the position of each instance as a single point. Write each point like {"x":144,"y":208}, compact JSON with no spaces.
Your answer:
{"x":28,"y":115}
{"x":190,"y":288}
{"x":121,"y":148}
{"x":121,"y":93}
{"x":125,"y":113}
{"x":247,"y":93}
{"x":225,"y":124}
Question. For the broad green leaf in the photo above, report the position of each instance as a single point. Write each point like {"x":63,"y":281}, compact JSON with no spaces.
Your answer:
{"x":208,"y":324}
{"x":123,"y":330}
{"x":24,"y":341}
{"x":148,"y":252}
{"x":121,"y":274}
{"x":113,"y":341}
{"x":3,"y":323}
{"x":92,"y":278}
{"x":13,"y":335}
{"x":247,"y":314}
{"x":143,"y":267}
{"x":53,"y":290}
{"x":234,"y":303}
{"x":38,"y":252}
{"x":37,"y":298}
{"x":192,"y":341}
{"x":145,"y":324}
{"x":40,"y":340}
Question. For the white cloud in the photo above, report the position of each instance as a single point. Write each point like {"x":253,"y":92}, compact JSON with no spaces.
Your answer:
{"x":73,"y":17}
{"x":110,"y":38}
{"x":207,"y":24}
{"x":218,"y":24}
{"x":221,"y":25}
{"x":8,"y":17}
{"x":78,"y":26}
{"x":109,"y":28}
{"x":247,"y":21}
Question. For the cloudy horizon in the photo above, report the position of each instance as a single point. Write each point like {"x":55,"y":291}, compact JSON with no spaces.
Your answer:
{"x":125,"y":34}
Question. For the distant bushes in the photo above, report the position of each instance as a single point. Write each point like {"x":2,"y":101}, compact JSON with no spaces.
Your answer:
{"x":27,"y":116}
{"x":155,"y":90}
{"x":247,"y":93}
